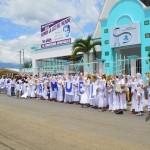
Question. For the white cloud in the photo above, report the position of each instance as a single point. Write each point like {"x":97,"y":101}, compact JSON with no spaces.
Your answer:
{"x":33,"y":13}
{"x":9,"y":50}
{"x":36,"y":12}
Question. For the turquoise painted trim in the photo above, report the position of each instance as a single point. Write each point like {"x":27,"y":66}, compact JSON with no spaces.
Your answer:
{"x":133,"y":57}
{"x":52,"y":47}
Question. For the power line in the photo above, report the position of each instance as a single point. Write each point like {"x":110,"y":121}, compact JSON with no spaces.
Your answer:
{"x":79,"y":27}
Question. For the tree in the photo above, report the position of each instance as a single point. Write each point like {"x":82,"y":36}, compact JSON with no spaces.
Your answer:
{"x":84,"y":46}
{"x":27,"y":64}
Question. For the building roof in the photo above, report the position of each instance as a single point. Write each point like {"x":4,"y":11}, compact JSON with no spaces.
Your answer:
{"x":7,"y":71}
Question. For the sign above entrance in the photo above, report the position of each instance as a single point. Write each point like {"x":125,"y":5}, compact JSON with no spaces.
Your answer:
{"x":125,"y":35}
{"x":56,"y":33}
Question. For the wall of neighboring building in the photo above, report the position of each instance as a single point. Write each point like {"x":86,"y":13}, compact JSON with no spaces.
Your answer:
{"x":52,"y":52}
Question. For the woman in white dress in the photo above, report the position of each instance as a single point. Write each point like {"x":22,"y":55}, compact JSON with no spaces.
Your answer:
{"x":60,"y":89}
{"x":53,"y":88}
{"x":139,"y":99}
{"x":75,"y":89}
{"x":101,"y":97}
{"x":69,"y":93}
{"x":33,"y":87}
{"x":85,"y":94}
{"x":148,"y":89}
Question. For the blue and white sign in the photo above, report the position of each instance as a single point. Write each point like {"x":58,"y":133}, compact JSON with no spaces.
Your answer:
{"x":125,"y":35}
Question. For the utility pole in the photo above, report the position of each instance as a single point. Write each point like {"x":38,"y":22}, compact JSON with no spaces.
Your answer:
{"x":23,"y":61}
{"x":20,"y":62}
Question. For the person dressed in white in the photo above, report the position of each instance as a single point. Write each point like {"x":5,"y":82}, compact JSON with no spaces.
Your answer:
{"x":53,"y":88}
{"x":93,"y":88}
{"x":110,"y":95}
{"x":148,"y":91}
{"x":101,"y":97}
{"x":121,"y":93}
{"x":25,"y":87}
{"x":60,"y":89}
{"x":139,"y":100}
{"x":134,"y":95}
{"x":85,"y":94}
{"x":33,"y":87}
{"x":75,"y":89}
{"x":69,"y":93}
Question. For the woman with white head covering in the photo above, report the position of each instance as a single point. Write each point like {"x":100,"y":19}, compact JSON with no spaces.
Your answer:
{"x":101,"y":94}
{"x":75,"y":89}
{"x":60,"y":88}
{"x":53,"y":88}
{"x":85,"y":93}
{"x":139,"y":99}
{"x":69,"y":93}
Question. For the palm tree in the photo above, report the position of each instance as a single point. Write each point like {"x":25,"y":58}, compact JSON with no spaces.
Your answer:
{"x":84,"y":46}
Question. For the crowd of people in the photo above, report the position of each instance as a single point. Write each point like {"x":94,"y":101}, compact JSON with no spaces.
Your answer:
{"x":100,"y":91}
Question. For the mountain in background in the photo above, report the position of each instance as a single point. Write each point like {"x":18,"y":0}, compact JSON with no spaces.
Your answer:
{"x":9,"y":65}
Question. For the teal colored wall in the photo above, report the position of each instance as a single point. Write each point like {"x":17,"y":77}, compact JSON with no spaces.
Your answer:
{"x":129,"y":11}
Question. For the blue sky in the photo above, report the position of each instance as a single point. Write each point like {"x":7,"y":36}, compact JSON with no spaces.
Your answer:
{"x":20,"y":22}
{"x":10,"y":30}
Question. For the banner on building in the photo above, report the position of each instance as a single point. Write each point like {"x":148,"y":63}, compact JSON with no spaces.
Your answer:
{"x":125,"y":35}
{"x":56,"y":33}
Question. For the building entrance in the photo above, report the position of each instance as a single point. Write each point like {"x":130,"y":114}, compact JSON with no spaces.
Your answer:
{"x":123,"y":60}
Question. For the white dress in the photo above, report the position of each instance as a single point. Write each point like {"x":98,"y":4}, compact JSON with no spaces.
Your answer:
{"x":33,"y":86}
{"x":60,"y":91}
{"x":92,"y":97}
{"x":75,"y":89}
{"x":69,"y":93}
{"x":84,"y":96}
{"x":134,"y":95}
{"x":110,"y":96}
{"x":139,"y":100}
{"x":53,"y":89}
{"x":148,"y":89}
{"x":101,"y":97}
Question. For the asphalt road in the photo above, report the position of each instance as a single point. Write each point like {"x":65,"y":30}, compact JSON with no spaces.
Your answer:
{"x":43,"y":125}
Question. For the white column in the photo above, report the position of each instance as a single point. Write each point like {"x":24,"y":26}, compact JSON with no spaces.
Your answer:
{"x":66,"y":69}
{"x":34,"y":66}
{"x":133,"y":67}
{"x":101,"y":67}
{"x":91,"y":65}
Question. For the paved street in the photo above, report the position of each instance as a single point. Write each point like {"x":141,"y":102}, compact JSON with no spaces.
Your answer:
{"x":42,"y":125}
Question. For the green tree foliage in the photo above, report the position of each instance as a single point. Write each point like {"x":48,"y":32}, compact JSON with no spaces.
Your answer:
{"x":84,"y":46}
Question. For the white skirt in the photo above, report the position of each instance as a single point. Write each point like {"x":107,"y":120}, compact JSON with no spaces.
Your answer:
{"x":84,"y":98}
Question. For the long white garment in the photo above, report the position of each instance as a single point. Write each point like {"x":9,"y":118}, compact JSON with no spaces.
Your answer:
{"x":75,"y":89}
{"x":60,"y":90}
{"x":148,"y":89}
{"x":53,"y":88}
{"x":92,"y":97}
{"x":69,"y":93}
{"x":9,"y":88}
{"x":101,"y":97}
{"x":33,"y":86}
{"x":134,"y":95}
{"x":84,"y":96}
{"x":27,"y":92}
{"x":123,"y":94}
{"x":139,"y":100}
{"x":45,"y":92}
{"x":110,"y":95}
{"x":119,"y":95}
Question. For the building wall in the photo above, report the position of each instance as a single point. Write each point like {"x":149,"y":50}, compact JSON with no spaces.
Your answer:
{"x":57,"y":51}
{"x":124,"y":12}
